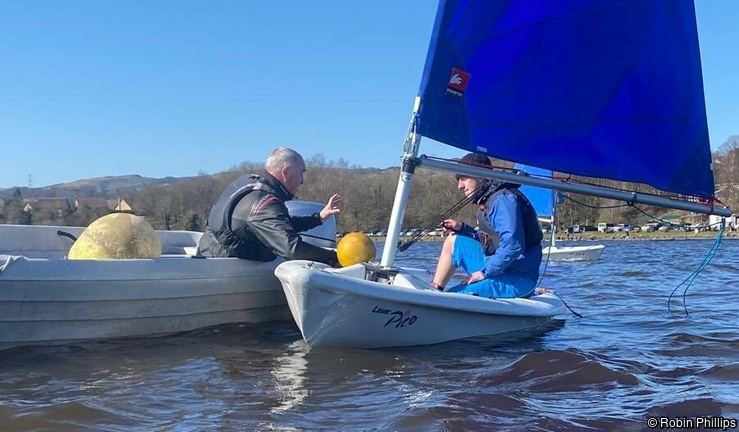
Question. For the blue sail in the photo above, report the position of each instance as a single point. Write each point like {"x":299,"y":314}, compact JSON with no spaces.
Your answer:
{"x":599,"y":88}
{"x":542,"y":199}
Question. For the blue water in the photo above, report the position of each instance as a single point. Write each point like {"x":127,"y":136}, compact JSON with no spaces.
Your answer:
{"x":628,"y":358}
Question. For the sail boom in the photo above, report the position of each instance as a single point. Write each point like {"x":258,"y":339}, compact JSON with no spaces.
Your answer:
{"x":629,"y":197}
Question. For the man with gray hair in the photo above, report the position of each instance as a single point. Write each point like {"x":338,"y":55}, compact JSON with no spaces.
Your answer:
{"x":250,"y":219}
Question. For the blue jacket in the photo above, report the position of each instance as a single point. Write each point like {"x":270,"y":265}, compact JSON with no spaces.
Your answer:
{"x":509,"y":215}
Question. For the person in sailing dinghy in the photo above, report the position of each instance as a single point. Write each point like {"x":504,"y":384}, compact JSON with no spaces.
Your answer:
{"x":250,"y":219}
{"x":502,"y":258}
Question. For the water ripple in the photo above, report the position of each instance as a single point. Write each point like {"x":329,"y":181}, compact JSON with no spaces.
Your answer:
{"x":627,"y":358}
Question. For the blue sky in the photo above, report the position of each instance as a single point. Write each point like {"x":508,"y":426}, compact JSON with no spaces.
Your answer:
{"x":176,"y":88}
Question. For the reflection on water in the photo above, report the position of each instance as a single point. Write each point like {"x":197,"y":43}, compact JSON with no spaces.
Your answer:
{"x":626,"y":359}
{"x":289,"y":376}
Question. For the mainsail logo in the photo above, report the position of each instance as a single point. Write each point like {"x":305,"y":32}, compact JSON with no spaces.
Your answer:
{"x":457,"y":84}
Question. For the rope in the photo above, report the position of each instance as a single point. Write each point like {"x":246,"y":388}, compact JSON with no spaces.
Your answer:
{"x":405,"y":244}
{"x":566,"y":305}
{"x":543,"y":272}
{"x":546,"y":264}
{"x":689,"y":280}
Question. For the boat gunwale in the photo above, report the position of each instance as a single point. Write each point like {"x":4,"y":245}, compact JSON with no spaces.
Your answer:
{"x":541,"y":305}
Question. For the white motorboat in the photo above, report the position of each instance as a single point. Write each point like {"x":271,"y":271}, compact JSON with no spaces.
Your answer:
{"x":45,"y":298}
{"x":572,"y":253}
{"x":545,"y":204}
{"x":364,"y":306}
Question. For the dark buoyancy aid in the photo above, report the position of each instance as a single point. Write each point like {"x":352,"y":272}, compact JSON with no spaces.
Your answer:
{"x":490,"y":238}
{"x":219,"y":220}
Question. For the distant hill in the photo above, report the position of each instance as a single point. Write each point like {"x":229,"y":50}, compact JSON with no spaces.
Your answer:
{"x":114,"y":186}
{"x":106,"y":187}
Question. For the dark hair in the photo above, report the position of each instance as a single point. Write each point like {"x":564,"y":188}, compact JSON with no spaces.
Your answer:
{"x":475,"y":159}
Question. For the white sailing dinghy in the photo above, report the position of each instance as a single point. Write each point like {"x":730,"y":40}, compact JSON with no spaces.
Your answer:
{"x":45,"y":298}
{"x":581,"y":87}
{"x":366,"y":306}
{"x":546,"y":208}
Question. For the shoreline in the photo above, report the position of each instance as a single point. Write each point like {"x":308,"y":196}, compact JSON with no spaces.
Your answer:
{"x":599,"y":236}
{"x":679,"y":235}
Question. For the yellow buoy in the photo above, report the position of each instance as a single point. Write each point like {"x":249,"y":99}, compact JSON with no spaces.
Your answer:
{"x":355,"y":248}
{"x":117,"y":236}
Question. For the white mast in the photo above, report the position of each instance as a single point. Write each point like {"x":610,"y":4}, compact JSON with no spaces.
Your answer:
{"x":410,"y":154}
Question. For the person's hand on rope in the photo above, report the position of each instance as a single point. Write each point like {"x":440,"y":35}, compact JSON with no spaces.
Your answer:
{"x":451,"y":225}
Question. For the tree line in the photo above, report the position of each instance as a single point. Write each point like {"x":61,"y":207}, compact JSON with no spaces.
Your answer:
{"x":367,"y":197}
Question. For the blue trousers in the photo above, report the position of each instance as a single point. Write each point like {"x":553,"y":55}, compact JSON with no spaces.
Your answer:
{"x":469,"y":256}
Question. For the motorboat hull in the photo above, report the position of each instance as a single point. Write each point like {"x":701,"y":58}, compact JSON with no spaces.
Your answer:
{"x":46,"y":298}
{"x":572,"y":253}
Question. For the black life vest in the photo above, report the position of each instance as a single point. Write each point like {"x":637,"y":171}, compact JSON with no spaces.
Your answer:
{"x":490,"y":238}
{"x":219,"y":220}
